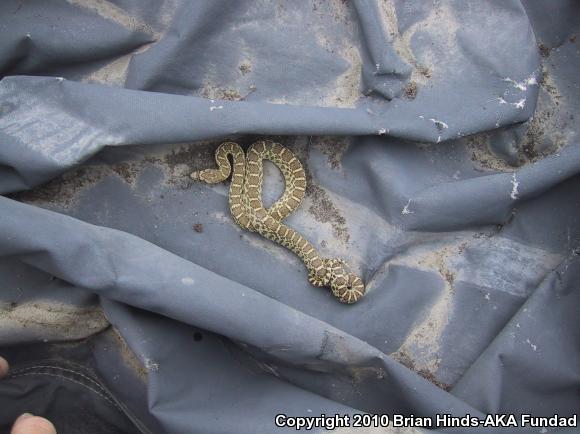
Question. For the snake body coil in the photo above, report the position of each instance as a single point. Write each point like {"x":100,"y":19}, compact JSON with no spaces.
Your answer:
{"x":249,"y":213}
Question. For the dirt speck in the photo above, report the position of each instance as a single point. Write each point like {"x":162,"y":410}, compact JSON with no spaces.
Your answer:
{"x":212,"y":91}
{"x":317,"y":201}
{"x":544,"y":50}
{"x":411,"y":90}
{"x":549,"y":129}
{"x":441,"y":25}
{"x":198,"y":227}
{"x":438,"y":260}
{"x":54,"y":321}
{"x":184,"y":159}
{"x":333,"y":147}
{"x":449,"y":276}
{"x":424,"y":71}
{"x":231,"y":95}
{"x":324,"y":211}
{"x":129,"y":356}
{"x":345,"y":91}
{"x":177,"y":162}
{"x":483,"y":157}
{"x":348,"y":85}
{"x":404,"y":359}
{"x":573,"y":38}
{"x":364,"y":374}
{"x":113,"y":73}
{"x":420,"y":350}
{"x":245,"y":67}
{"x":112,"y":12}
{"x":64,"y":190}
{"x":128,"y":172}
{"x":185,"y":155}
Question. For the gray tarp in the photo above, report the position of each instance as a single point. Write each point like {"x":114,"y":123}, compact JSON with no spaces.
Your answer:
{"x":440,"y":141}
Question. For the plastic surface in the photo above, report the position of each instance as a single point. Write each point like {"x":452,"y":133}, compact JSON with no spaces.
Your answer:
{"x":127,"y":287}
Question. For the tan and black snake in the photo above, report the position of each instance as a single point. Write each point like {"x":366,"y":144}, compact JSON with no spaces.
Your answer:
{"x":248,"y":211}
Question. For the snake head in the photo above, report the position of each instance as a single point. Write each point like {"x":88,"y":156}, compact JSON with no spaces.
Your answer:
{"x":345,"y":285}
{"x":209,"y":176}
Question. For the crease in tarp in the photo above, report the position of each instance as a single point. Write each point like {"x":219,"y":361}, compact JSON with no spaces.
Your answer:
{"x":192,"y":301}
{"x":155,"y":118}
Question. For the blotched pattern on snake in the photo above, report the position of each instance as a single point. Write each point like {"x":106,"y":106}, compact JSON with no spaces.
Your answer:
{"x":249,"y":213}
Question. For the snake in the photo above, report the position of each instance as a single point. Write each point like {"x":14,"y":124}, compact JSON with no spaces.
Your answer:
{"x":248,"y":211}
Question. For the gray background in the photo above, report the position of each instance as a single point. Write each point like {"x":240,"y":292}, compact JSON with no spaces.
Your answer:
{"x":440,"y":142}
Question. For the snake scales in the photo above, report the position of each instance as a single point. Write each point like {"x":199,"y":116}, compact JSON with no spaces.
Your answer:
{"x":248,"y":211}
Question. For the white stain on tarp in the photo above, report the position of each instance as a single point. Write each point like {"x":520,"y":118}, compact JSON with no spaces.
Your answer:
{"x":515,"y":185}
{"x":500,"y":264}
{"x":187,"y":281}
{"x":532,"y":346}
{"x":520,"y":104}
{"x":151,"y":365}
{"x":522,"y":85}
{"x":439,"y":124}
{"x":406,"y":210}
{"x":53,"y":133}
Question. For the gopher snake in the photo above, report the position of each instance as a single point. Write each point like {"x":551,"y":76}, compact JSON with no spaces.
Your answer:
{"x":249,"y":212}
